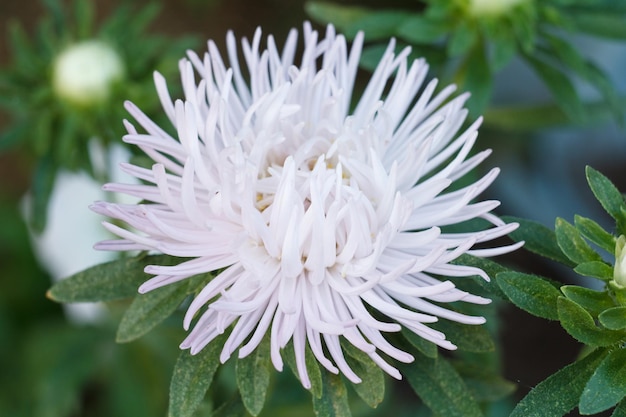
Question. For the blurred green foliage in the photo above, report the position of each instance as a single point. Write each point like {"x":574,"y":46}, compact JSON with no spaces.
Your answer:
{"x":470,"y":41}
{"x":56,"y":132}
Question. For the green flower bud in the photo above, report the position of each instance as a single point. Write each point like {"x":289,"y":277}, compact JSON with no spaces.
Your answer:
{"x":619,"y":272}
{"x":491,"y":7}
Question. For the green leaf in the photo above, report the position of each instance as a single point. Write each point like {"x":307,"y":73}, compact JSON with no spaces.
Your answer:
{"x":312,"y":368}
{"x":43,"y":183}
{"x":372,"y":387}
{"x":572,"y":244}
{"x":109,"y":281}
{"x":530,"y":293}
{"x":253,"y":377}
{"x":420,"y":29}
{"x":231,"y":408}
{"x":482,"y":382}
{"x":595,"y":269}
{"x":503,"y":44}
{"x":586,"y":70}
{"x":192,"y":378}
{"x":560,"y":86}
{"x":84,"y":18}
{"x":462,"y":38}
{"x":470,"y":338}
{"x":476,"y":77}
{"x":613,"y":318}
{"x":524,"y":25}
{"x":620,"y":410}
{"x":593,"y":301}
{"x":440,"y":387}
{"x":607,"y":194}
{"x":491,"y":268}
{"x":606,"y":25}
{"x":148,"y":310}
{"x":334,"y":399}
{"x":607,"y":385}
{"x":378,"y":24}
{"x":427,"y":348}
{"x":595,"y":233}
{"x":538,"y":239}
{"x":581,"y":326}
{"x":342,"y":17}
{"x":560,"y":392}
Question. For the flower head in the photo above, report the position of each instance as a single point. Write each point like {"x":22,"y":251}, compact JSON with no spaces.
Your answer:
{"x":317,"y":214}
{"x":85,"y":72}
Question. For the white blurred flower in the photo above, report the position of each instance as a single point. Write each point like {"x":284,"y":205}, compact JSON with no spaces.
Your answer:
{"x":317,"y":214}
{"x":85,"y":72}
{"x":65,"y":245}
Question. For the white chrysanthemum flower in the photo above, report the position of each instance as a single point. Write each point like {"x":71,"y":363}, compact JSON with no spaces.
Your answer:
{"x":318,"y":214}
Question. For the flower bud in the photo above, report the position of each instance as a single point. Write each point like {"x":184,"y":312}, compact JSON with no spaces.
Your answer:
{"x":619,"y":272}
{"x":84,"y":73}
{"x":491,"y":7}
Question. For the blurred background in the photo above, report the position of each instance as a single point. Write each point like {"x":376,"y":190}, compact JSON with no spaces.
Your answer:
{"x":54,"y":154}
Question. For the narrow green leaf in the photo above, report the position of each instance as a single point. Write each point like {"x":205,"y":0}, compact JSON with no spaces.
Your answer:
{"x":613,"y":318}
{"x":594,"y":302}
{"x":148,"y":310}
{"x":572,"y":59}
{"x":231,"y":408}
{"x":470,"y":338}
{"x":43,"y":183}
{"x":440,"y":387}
{"x":491,"y":268}
{"x":109,"y":281}
{"x":503,"y":42}
{"x":581,"y":326}
{"x":560,"y":392}
{"x":607,"y":385}
{"x":192,"y":378}
{"x":477,"y":78}
{"x":560,"y":86}
{"x":341,"y":16}
{"x":595,"y":269}
{"x":595,"y":233}
{"x":524,"y":22}
{"x":378,"y":24}
{"x":606,"y":25}
{"x":372,"y":387}
{"x":538,"y":239}
{"x":427,"y":348}
{"x":334,"y":399}
{"x":253,"y":377}
{"x":607,"y":194}
{"x":620,"y":410}
{"x":463,"y":37}
{"x":483,"y":383}
{"x":312,"y":368}
{"x":572,"y":243}
{"x":530,"y":293}
{"x":84,"y":17}
{"x":420,"y":29}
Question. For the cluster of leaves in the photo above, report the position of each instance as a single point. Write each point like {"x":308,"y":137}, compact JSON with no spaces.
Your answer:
{"x":596,"y":318}
{"x":52,"y":131}
{"x":459,"y":385}
{"x":471,"y":46}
